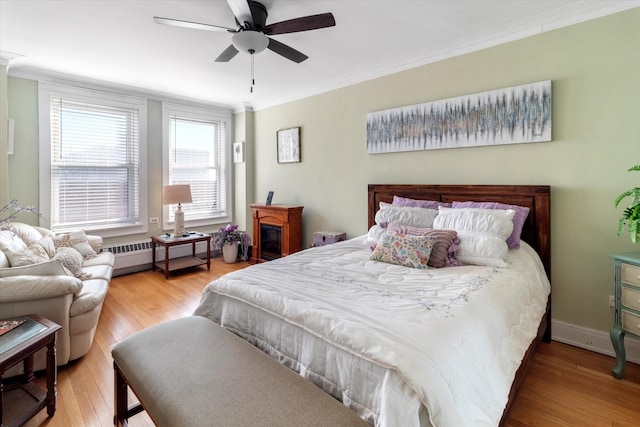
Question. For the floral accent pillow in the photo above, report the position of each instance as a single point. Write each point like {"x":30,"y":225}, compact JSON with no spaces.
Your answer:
{"x":444,"y":249}
{"x":404,"y":249}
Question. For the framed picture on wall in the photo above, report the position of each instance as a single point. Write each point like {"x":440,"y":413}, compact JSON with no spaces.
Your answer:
{"x":289,"y":145}
{"x":238,"y":152}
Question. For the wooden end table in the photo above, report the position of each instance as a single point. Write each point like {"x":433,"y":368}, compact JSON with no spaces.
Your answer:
{"x":22,"y":398}
{"x":179,"y":263}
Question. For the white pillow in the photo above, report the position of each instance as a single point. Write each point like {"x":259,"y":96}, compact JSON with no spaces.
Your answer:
{"x":403,"y":215}
{"x":482,"y":233}
{"x":482,"y":249}
{"x":26,"y":232}
{"x":11,"y":242}
{"x":32,"y":255}
{"x":53,"y":267}
{"x":72,"y":261}
{"x":374,"y":234}
{"x":77,"y":240}
{"x":494,"y":221}
{"x":47,"y":243}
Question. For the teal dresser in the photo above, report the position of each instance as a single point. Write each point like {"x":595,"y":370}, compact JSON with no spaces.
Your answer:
{"x":627,"y":305}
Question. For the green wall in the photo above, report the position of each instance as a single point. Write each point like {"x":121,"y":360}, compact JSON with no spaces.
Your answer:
{"x":595,"y":72}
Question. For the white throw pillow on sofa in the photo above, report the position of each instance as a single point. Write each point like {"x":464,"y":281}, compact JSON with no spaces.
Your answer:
{"x":52,"y":267}
{"x":72,"y":260}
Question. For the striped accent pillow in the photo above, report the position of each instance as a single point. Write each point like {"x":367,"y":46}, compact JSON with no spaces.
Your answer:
{"x":445,"y":248}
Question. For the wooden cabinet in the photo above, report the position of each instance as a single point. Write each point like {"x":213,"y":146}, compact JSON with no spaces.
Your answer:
{"x":277,"y":231}
{"x":627,"y":305}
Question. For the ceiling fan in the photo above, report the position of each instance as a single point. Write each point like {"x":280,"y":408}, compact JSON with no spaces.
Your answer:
{"x":251,"y":34}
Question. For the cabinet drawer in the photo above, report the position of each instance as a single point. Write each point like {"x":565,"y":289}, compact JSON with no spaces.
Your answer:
{"x":631,"y":322}
{"x":630,"y":274}
{"x":631,"y":298}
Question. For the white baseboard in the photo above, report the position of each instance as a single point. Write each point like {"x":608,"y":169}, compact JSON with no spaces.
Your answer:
{"x":593,"y":340}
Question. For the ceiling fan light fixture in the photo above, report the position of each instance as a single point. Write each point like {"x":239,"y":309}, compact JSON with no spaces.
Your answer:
{"x":250,"y":41}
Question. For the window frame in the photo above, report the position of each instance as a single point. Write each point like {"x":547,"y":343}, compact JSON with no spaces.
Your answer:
{"x":205,"y":114}
{"x":47,"y":90}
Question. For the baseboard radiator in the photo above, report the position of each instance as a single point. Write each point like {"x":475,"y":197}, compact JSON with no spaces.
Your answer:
{"x":131,"y":257}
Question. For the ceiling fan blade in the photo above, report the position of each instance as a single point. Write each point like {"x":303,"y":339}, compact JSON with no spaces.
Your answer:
{"x":286,"y":51}
{"x":227,"y":54}
{"x":241,"y":11}
{"x":194,"y":25}
{"x":305,"y":23}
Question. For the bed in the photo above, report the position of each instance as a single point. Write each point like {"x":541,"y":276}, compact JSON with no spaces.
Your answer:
{"x":402,"y":346}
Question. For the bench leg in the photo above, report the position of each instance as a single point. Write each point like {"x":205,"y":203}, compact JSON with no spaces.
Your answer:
{"x":122,"y":412}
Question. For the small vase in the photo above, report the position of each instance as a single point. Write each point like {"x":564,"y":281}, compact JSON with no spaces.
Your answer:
{"x":230,"y":252}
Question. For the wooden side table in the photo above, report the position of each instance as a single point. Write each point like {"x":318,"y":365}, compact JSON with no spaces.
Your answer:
{"x":22,"y":398}
{"x":179,"y":263}
{"x":627,"y":305}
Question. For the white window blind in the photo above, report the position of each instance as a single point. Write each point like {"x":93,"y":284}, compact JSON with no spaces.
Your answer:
{"x":197,"y":154}
{"x":94,"y":163}
{"x":196,"y":157}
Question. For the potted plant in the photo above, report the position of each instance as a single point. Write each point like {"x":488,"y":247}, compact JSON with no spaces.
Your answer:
{"x":227,"y":238}
{"x":631,"y":215}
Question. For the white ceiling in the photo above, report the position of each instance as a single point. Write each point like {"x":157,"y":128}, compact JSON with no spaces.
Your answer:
{"x":117,"y":41}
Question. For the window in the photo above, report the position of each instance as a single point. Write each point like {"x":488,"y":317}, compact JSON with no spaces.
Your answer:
{"x":196,"y":152}
{"x":92,"y":160}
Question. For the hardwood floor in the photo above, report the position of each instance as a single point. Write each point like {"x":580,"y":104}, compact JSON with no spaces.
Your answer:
{"x":565,"y":386}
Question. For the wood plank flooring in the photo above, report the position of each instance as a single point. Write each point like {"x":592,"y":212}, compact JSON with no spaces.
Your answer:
{"x":565,"y":386}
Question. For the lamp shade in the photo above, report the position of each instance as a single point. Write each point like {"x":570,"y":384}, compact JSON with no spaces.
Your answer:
{"x":176,"y":194}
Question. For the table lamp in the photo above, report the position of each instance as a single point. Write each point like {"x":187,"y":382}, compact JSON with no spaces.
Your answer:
{"x":173,"y":194}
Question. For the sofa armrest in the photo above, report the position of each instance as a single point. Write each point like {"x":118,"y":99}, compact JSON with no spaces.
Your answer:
{"x":25,"y":288}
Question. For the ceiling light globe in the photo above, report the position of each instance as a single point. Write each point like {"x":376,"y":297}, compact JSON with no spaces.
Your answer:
{"x":250,"y":40}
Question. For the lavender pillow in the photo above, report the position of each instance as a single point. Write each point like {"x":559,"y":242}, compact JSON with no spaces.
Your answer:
{"x":415,"y":203}
{"x":513,"y":241}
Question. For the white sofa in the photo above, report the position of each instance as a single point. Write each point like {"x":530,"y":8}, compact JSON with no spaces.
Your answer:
{"x":74,"y":301}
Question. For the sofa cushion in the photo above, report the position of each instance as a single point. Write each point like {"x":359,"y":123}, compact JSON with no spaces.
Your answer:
{"x":32,"y":255}
{"x":101,"y":271}
{"x":53,"y":267}
{"x":4,"y":261}
{"x":11,"y":242}
{"x":47,"y":243}
{"x":76,"y":240}
{"x":93,"y":293}
{"x":103,"y":258}
{"x":26,"y":232}
{"x":72,"y":260}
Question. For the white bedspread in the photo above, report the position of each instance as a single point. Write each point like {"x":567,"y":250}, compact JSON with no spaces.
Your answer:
{"x":390,"y":341}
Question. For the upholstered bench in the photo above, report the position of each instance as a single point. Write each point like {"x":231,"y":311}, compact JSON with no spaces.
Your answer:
{"x":192,"y":372}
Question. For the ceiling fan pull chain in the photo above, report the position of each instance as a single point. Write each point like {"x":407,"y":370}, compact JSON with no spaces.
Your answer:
{"x":253,"y":80}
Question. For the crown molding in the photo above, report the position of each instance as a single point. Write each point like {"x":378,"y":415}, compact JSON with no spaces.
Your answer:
{"x":48,"y":76}
{"x":6,"y":57}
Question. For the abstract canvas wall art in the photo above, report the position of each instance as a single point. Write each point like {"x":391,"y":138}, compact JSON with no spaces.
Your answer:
{"x":512,"y":115}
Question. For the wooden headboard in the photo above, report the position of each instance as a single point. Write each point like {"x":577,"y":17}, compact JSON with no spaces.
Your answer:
{"x":537,"y":228}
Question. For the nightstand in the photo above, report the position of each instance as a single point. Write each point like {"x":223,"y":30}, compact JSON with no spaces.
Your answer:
{"x":20,"y":397}
{"x":627,"y":305}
